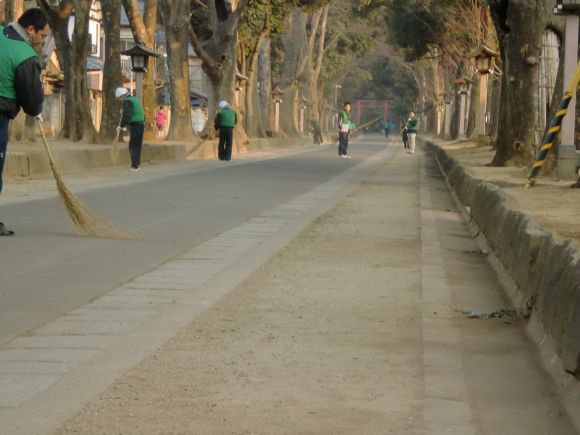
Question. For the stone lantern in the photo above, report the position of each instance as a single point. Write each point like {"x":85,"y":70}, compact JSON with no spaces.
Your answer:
{"x":139,"y":65}
{"x":484,"y":57}
{"x":463,"y":84}
{"x":277,"y":99}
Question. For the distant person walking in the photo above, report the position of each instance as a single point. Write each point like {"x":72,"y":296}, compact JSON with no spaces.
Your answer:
{"x":133,"y":117}
{"x":404,"y":135}
{"x":412,"y":127}
{"x":344,"y":126}
{"x":20,"y":84}
{"x":160,"y":121}
{"x":225,"y":121}
{"x":316,"y":131}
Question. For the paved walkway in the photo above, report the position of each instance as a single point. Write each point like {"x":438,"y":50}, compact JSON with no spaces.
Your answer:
{"x":355,"y":327}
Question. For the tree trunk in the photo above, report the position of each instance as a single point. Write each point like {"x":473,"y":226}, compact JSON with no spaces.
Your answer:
{"x":318,"y":25}
{"x":253,"y":119}
{"x":175,"y":15}
{"x":295,"y":43}
{"x":494,"y":110}
{"x":112,"y":70}
{"x":143,"y":28}
{"x":13,"y":10}
{"x":219,"y":58}
{"x":264,"y":100}
{"x":72,"y":56}
{"x":519,"y":87}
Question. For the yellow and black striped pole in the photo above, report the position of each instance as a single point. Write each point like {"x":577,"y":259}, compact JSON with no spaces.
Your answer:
{"x":554,"y":129}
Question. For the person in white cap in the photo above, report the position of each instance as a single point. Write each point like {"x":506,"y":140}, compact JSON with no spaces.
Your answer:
{"x":134,"y":117}
{"x":225,"y":121}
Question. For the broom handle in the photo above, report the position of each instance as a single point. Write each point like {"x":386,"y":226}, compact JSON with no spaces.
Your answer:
{"x":366,"y":124}
{"x":44,"y":141}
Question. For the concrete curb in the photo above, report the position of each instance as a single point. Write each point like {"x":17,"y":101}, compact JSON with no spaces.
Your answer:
{"x":73,"y":159}
{"x":544,"y":270}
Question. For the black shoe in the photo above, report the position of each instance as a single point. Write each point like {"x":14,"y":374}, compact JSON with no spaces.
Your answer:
{"x":4,"y":231}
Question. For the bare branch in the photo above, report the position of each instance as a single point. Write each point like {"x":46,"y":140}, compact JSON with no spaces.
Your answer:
{"x":198,"y":47}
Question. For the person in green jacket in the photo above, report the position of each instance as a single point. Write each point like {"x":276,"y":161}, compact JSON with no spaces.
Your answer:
{"x":225,"y":121}
{"x":412,"y":127}
{"x":344,"y":127}
{"x":20,"y":84}
{"x":134,"y":117}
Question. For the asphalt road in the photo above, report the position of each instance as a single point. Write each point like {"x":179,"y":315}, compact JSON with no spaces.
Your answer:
{"x":48,"y":270}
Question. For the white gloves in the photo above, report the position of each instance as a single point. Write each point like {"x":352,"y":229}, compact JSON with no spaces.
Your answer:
{"x":121,"y":128}
{"x":39,"y":117}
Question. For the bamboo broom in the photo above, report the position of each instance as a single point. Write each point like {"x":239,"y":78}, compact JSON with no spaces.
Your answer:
{"x":83,"y":219}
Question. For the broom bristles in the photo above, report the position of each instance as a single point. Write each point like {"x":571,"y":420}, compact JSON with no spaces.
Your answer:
{"x":83,"y":219}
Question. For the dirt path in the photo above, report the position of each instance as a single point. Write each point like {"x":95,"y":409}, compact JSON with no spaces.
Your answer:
{"x":348,"y":330}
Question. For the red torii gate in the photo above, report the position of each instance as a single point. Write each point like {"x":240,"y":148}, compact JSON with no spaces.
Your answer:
{"x":360,"y":105}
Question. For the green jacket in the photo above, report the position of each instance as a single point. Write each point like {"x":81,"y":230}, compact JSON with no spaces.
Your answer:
{"x":344,"y":122}
{"x":132,"y":111}
{"x":20,"y":84}
{"x":412,"y":125}
{"x":226,"y":117}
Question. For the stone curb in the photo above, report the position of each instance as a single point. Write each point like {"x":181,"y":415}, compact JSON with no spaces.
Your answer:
{"x":544,"y":269}
{"x":71,"y":159}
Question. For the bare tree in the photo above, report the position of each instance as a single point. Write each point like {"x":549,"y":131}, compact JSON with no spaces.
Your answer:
{"x":175,"y":16}
{"x":72,"y":56}
{"x":143,"y":28}
{"x":314,"y":61}
{"x":218,"y":53}
{"x":520,"y":25}
{"x":304,"y":47}
{"x":111,"y":10}
{"x":295,"y":43}
{"x":254,"y":125}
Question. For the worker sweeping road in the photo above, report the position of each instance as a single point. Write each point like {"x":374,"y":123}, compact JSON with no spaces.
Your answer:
{"x":20,"y":84}
{"x":133,"y":117}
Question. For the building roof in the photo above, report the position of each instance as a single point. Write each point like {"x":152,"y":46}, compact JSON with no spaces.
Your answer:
{"x":94,"y":64}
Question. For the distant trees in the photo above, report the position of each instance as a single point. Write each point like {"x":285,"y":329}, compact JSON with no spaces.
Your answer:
{"x":408,"y":50}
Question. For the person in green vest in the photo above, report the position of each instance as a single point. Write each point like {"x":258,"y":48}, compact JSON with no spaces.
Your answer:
{"x":20,"y":83}
{"x":132,"y":116}
{"x":344,"y":127}
{"x":412,"y":127}
{"x":225,"y":121}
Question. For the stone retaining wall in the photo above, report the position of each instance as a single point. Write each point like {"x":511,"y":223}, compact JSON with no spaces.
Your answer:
{"x":77,"y":158}
{"x":545,"y":269}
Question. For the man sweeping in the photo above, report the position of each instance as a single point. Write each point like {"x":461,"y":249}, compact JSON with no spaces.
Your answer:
{"x":225,"y":121}
{"x":20,"y":84}
{"x":133,"y":117}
